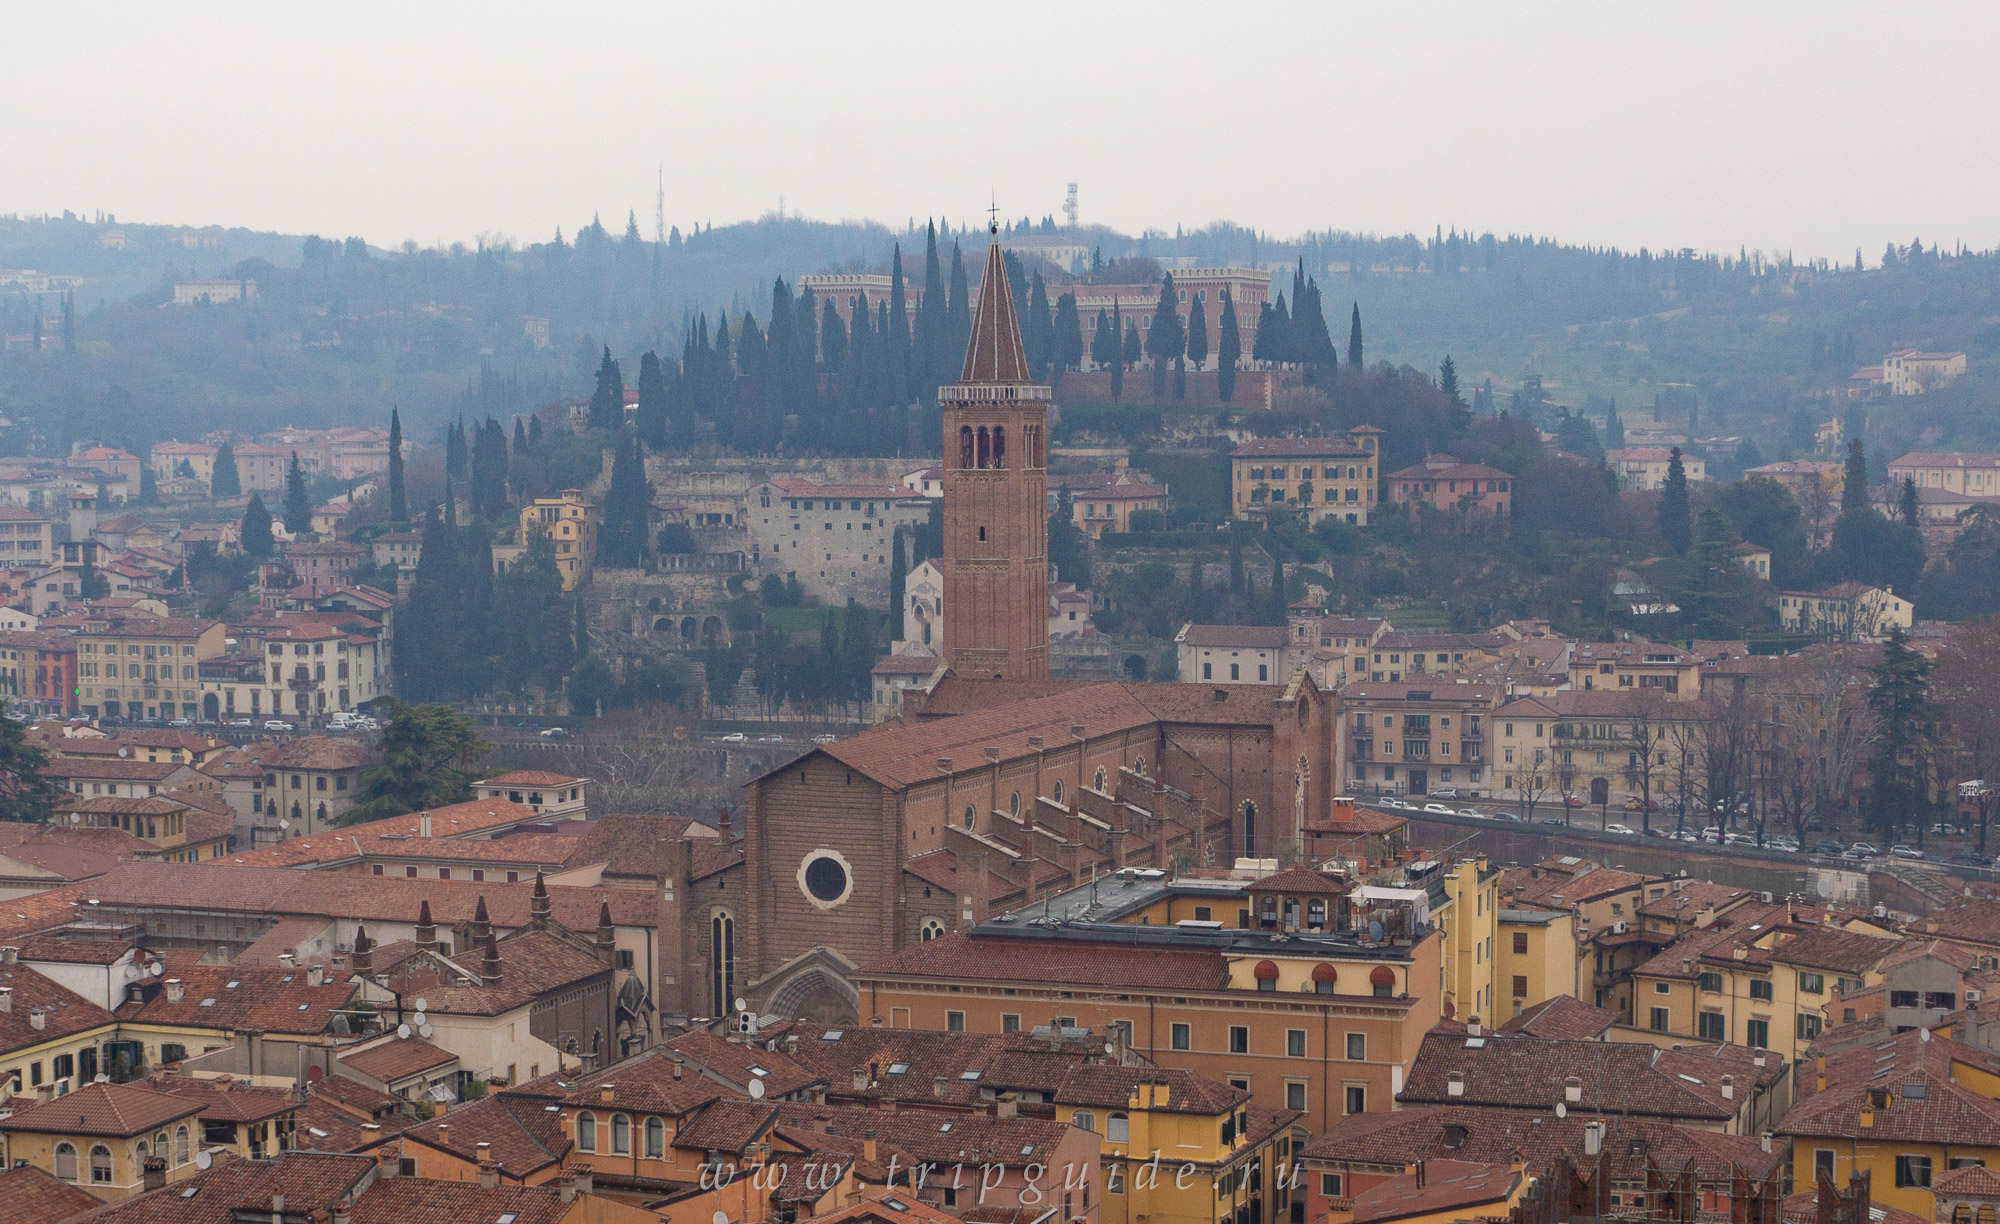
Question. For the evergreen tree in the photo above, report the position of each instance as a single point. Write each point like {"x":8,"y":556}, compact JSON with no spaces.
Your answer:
{"x":298,"y":508}
{"x":149,"y":486}
{"x":520,"y":439}
{"x":1066,"y":542}
{"x":1354,"y":340}
{"x":1854,"y":489}
{"x":1116,"y":347}
{"x":1448,"y":380}
{"x":1236,"y":579}
{"x":899,"y":578}
{"x":1133,"y":348}
{"x":931,"y":338}
{"x":607,"y":400}
{"x":1166,"y":342}
{"x":255,"y":532}
{"x":1068,"y":336}
{"x":534,"y":433}
{"x":488,"y":490}
{"x":1037,"y":337}
{"x":1276,"y":614}
{"x":399,"y":501}
{"x":455,"y":460}
{"x":621,"y":541}
{"x":1900,"y":697}
{"x":428,"y":627}
{"x":28,"y":797}
{"x":89,"y":583}
{"x":832,"y":339}
{"x":902,"y":382}
{"x":957,"y":317}
{"x":532,"y":619}
{"x":1228,"y":350}
{"x":223,"y":481}
{"x":430,"y":754}
{"x":1676,"y":521}
{"x":1197,"y":334}
{"x":652,"y":414}
{"x":1264,"y":343}
{"x":1312,"y":344}
{"x":69,"y":322}
{"x":1614,"y":428}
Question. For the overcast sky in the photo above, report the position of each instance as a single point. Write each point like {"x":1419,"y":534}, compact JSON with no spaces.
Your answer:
{"x":1817,"y":127}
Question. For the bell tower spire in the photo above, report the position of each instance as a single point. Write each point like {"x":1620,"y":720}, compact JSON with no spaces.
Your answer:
{"x":996,"y":573}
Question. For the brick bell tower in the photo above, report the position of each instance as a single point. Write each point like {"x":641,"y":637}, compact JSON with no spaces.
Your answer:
{"x":996,"y":529}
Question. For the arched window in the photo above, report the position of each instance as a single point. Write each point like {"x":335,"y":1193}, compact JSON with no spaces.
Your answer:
{"x":969,"y":816}
{"x":1084,"y":1118}
{"x":656,"y":1138}
{"x":1249,"y":830}
{"x":586,"y":1132}
{"x":621,"y":1134}
{"x":721,"y":962}
{"x":965,"y":446}
{"x":1014,"y":804}
{"x":930,"y":929}
{"x":1139,"y":766}
{"x":985,"y":448}
{"x":1058,"y":793}
{"x":161,"y":1145}
{"x":65,"y":1162}
{"x":140,"y":1151}
{"x":1118,"y":1128}
{"x":1097,"y":779}
{"x":999,"y":446}
{"x":180,"y":1145}
{"x":100,"y":1165}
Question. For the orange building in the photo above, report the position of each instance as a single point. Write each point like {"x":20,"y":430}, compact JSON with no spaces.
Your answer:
{"x":1468,"y":492}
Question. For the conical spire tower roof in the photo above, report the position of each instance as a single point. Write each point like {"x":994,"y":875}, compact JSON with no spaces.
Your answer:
{"x":995,"y":354}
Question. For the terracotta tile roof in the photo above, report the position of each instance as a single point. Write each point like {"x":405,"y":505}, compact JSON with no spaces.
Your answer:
{"x":355,"y":1095}
{"x":961,"y":956}
{"x":929,"y":1135}
{"x":954,"y":694}
{"x":1471,"y":1133}
{"x":526,"y":1135}
{"x":645,"y":1083}
{"x":727,"y":1126}
{"x":1910,"y":1081}
{"x":310,"y":1181}
{"x":64,"y":1012}
{"x":1803,"y":1208}
{"x":402,"y":1200}
{"x":1967,"y":1181}
{"x":924,"y":1057}
{"x":1112,"y":1086}
{"x":89,"y":769}
{"x":478,"y":817}
{"x":397,"y":1059}
{"x":322,"y":1124}
{"x":898,"y":1208}
{"x":240,"y":997}
{"x":1830,"y":948}
{"x":1447,"y":1186}
{"x":115,"y":1110}
{"x":1242,"y":637}
{"x":1299,"y":448}
{"x":1563,"y":1018}
{"x":1527,"y":1072}
{"x":529,"y":777}
{"x":739,"y":1064}
{"x":1558,"y":891}
{"x":1690,"y":897}
{"x":1974,"y":920}
{"x":1298,"y":880}
{"x":226,"y":1099}
{"x":30,"y":1196}
{"x":324,"y":752}
{"x":73,"y":950}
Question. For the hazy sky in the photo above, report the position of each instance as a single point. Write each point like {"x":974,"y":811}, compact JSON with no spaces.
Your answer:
{"x":1819,"y":127}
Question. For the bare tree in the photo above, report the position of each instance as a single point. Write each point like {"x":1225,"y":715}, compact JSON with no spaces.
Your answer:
{"x":649,"y":761}
{"x":1532,"y":787}
{"x":1645,"y":753}
{"x":1819,"y":700}
{"x":1687,"y":756}
{"x":1817,"y":506}
{"x":1967,"y":687}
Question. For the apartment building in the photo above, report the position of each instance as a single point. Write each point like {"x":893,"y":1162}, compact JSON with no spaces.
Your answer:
{"x":144,"y":666}
{"x":1602,"y":746}
{"x":1644,"y":468}
{"x":313,"y":669}
{"x":836,"y":539}
{"x":1237,"y":654}
{"x":26,"y":538}
{"x":1845,"y":612}
{"x":1470,"y":494}
{"x":1635,"y":663}
{"x":570,"y":522}
{"x":1913,"y":371}
{"x":1316,"y":477}
{"x":1405,"y":739}
{"x":1969,"y":474}
{"x":1103,"y":502}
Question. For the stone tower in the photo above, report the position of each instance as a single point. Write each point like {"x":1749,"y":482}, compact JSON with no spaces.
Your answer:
{"x":996,"y":538}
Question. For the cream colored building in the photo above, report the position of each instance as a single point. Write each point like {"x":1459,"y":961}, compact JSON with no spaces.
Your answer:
{"x":1969,"y":474}
{"x":1645,"y":467}
{"x":144,"y":666}
{"x":1913,"y":371}
{"x":570,"y":522}
{"x":1848,"y":612}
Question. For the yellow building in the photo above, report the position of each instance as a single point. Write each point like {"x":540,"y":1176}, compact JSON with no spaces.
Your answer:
{"x":99,"y":1137}
{"x":52,"y":1040}
{"x":1468,"y":923}
{"x":1219,"y":1141}
{"x":1847,"y":611}
{"x":1439,"y":1192}
{"x":144,"y":666}
{"x":1763,"y":986}
{"x":570,"y":523}
{"x":1318,"y":478}
{"x":1588,"y":744}
{"x":1534,"y":960}
{"x":1636,"y":663}
{"x":1906,"y":1111}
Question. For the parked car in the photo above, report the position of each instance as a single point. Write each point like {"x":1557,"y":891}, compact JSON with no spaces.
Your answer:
{"x":1905,"y":852}
{"x":1966,"y":858}
{"x":1738,"y":839}
{"x":736,"y":737}
{"x":770,"y":739}
{"x":278,"y":724}
{"x":1575,"y":801}
{"x":1712,"y":834}
{"x":1785,"y":844}
{"x":827,"y":738}
{"x":1826,"y":845}
{"x":1474,"y":813}
{"x":1684,"y":835}
{"x":1440,"y":809}
{"x":1620,"y":830}
{"x":555,"y":733}
{"x":1445,"y":792}
{"x":241,"y":722}
{"x":1863,"y":850}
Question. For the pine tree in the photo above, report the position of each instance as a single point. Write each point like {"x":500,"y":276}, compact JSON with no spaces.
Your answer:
{"x":1354,"y":340}
{"x":1166,"y":341}
{"x":298,"y":508}
{"x":607,"y":400}
{"x":1900,"y":699}
{"x":1854,"y":489}
{"x":1676,"y":519}
{"x":223,"y":481}
{"x":1197,"y":334}
{"x":399,"y":501}
{"x":1228,"y":350}
{"x":255,"y":532}
{"x":899,"y":578}
{"x":652,"y":413}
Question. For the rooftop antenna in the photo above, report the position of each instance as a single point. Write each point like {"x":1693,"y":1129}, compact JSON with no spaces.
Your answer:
{"x":1069,"y":206}
{"x":660,"y":208}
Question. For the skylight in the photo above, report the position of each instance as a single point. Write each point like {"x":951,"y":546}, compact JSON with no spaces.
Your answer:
{"x":898,"y":1068}
{"x":968,"y":1076}
{"x":1475,"y":1043}
{"x":945,"y":1129}
{"x":832,"y":1035}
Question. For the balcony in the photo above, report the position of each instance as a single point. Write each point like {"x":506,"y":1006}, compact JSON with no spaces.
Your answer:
{"x":1360,"y":749}
{"x":1416,"y":750}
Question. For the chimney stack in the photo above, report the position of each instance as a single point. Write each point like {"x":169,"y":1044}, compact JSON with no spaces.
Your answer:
{"x":176,"y":990}
{"x":482,"y":926}
{"x":6,"y":999}
{"x":427,"y":932}
{"x":1728,"y":1087}
{"x":444,"y":1134}
{"x":607,"y":935}
{"x":153,"y":1174}
{"x":489,"y":963}
{"x":605,"y":1092}
{"x":538,"y":904}
{"x":423,"y":824}
{"x":342,"y":1212}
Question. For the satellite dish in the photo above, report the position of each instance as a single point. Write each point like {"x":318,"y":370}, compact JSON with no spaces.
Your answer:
{"x":314,"y":1075}
{"x":741,"y":1005}
{"x":202,"y":1160}
{"x":1374,"y":929}
{"x":403,"y":1031}
{"x":124,"y":752}
{"x":424,"y":1031}
{"x":756,"y":1090}
{"x":1562,"y":1110}
{"x":422,"y":1007}
{"x":1110,"y":1047}
{"x":157,"y":968}
{"x":76,"y":817}
{"x":284,"y":824}
{"x":721,"y":1217}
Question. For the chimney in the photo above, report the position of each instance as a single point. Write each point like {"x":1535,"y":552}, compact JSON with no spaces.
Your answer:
{"x":6,"y":999}
{"x":1472,"y":1028}
{"x":677,"y":1068}
{"x":427,"y":932}
{"x":154,"y":1173}
{"x":364,"y":951}
{"x":176,"y":990}
{"x":1728,"y":1087}
{"x":444,"y":1134}
{"x":1758,"y":1059}
{"x":607,"y":935}
{"x":482,"y":926}
{"x":277,"y":1206}
{"x":586,"y":1178}
{"x":566,"y":1190}
{"x":315,"y":975}
{"x":389,"y":1160}
{"x":538,"y":904}
{"x":1573,"y":1089}
{"x":423,"y":824}
{"x":1007,"y":1107}
{"x":605,"y":1092}
{"x":10,"y":954}
{"x":938,"y":1084}
{"x":287,"y":960}
{"x":489,"y":963}
{"x":1867,"y":1117}
{"x":37,"y":1020}
{"x":1764,"y":1141}
{"x":1593,"y":1138}
{"x":860,"y":1079}
{"x":868,"y":1146}
{"x":1454,"y":1084}
{"x":342,"y":1212}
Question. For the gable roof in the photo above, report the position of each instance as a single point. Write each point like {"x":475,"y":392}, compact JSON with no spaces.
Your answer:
{"x":113,"y":1110}
{"x":310,"y":1181}
{"x":1520,"y":1072}
{"x":1563,"y":1018}
{"x":30,"y":1196}
{"x":526,"y":1135}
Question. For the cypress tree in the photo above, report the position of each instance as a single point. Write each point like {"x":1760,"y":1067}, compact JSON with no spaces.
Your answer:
{"x":1854,"y":489}
{"x":1133,"y":348}
{"x":1236,"y":579}
{"x":399,"y":500}
{"x":1354,"y":339}
{"x":1068,"y":336}
{"x":520,"y":439}
{"x":622,"y":540}
{"x":1676,"y":519}
{"x":255,"y":532}
{"x":832,"y":339}
{"x":652,"y":415}
{"x":1276,"y":613}
{"x":223,"y":480}
{"x":1264,"y":340}
{"x":1038,"y":338}
{"x":902,"y":382}
{"x":957,"y":317}
{"x":1906,"y":505}
{"x":1283,"y":351}
{"x":455,"y":461}
{"x":1116,"y":348}
{"x":534,"y":433}
{"x":298,"y":510}
{"x":1614,"y":428}
{"x":69,"y":322}
{"x":932,"y":339}
{"x":607,"y":401}
{"x":1228,"y":350}
{"x":1312,"y":346}
{"x":1165,"y":342}
{"x":898,"y":583}
{"x":1197,"y":334}
{"x":1103,"y":341}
